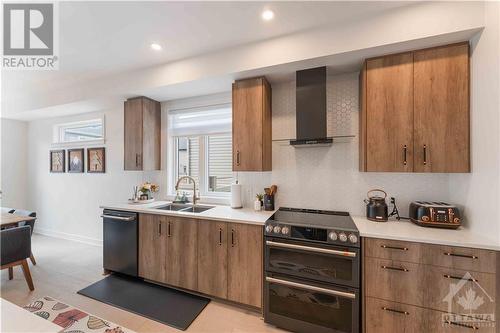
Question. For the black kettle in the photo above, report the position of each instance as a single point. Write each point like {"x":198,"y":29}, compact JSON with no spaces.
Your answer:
{"x":376,"y":207}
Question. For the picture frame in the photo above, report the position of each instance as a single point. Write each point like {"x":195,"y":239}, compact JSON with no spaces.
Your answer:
{"x":76,"y":160}
{"x":96,"y":160}
{"x":57,"y":161}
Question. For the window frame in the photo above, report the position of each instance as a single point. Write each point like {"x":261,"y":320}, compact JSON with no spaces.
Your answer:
{"x":58,"y":132}
{"x":203,"y":167}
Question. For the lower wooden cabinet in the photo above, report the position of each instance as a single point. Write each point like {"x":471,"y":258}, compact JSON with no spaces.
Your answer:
{"x":220,"y":259}
{"x":182,"y":255}
{"x":212,"y":258}
{"x":245,"y":257}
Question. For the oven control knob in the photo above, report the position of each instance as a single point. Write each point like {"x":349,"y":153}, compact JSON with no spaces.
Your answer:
{"x":343,"y":237}
{"x":285,"y":230}
{"x":277,"y":229}
{"x":353,"y":238}
{"x":269,"y":228}
{"x":333,"y":236}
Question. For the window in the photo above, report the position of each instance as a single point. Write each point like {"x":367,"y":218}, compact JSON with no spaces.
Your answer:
{"x":202,"y":145}
{"x":87,"y":130}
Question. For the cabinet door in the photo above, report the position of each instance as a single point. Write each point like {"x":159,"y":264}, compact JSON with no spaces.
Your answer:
{"x":442,"y":109}
{"x":212,"y":258}
{"x":152,"y":247}
{"x":251,"y":125}
{"x":151,"y":135}
{"x":389,"y":114}
{"x":133,"y":134}
{"x":245,"y":264}
{"x":181,"y":259}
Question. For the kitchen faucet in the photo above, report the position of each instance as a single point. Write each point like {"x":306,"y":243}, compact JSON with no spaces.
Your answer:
{"x":194,"y":186}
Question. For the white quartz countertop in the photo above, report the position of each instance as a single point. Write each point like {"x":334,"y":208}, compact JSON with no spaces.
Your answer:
{"x":407,"y":231}
{"x":219,"y":213}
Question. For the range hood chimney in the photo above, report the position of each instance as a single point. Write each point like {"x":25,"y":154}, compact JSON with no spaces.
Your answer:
{"x":311,"y":108}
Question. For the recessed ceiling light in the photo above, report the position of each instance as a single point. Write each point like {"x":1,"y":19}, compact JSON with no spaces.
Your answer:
{"x":267,"y":15}
{"x":156,"y":46}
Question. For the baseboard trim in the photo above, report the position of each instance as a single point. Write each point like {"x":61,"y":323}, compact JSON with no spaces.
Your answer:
{"x":71,"y":237}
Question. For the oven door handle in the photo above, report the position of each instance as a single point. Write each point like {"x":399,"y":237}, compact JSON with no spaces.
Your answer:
{"x":342,"y":294}
{"x":311,"y":249}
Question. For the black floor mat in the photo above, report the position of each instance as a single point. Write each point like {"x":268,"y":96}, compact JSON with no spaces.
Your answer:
{"x":168,"y":306}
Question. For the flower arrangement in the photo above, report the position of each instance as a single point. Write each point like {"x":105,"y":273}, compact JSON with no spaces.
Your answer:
{"x":147,"y":188}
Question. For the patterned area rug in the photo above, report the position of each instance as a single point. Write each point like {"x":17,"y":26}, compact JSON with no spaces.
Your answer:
{"x":71,"y":319}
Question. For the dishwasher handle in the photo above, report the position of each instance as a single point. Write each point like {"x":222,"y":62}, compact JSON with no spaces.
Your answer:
{"x":121,"y":218}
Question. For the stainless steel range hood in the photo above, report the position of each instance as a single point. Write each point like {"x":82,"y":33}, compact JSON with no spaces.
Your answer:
{"x":311,"y":108}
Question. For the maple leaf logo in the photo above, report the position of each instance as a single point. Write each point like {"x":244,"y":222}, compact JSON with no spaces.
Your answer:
{"x":470,"y":301}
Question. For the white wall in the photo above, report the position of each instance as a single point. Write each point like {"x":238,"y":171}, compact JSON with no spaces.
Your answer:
{"x":479,"y":190}
{"x":67,"y":204}
{"x":14,"y":174}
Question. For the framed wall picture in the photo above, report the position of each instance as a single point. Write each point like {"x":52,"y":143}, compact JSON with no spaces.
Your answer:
{"x":96,"y":160}
{"x":76,"y":160}
{"x":57,"y":162}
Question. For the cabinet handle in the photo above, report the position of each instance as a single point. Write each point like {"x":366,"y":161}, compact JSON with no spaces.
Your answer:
{"x":460,"y":255}
{"x":159,"y":228}
{"x":394,"y":247}
{"x":168,"y":229}
{"x":459,"y":278}
{"x":232,"y":238}
{"x":472,"y":327}
{"x":402,"y":269}
{"x":425,"y":154}
{"x":136,"y":160}
{"x":220,"y":236}
{"x":405,"y":150}
{"x":395,"y":311}
{"x":237,"y":157}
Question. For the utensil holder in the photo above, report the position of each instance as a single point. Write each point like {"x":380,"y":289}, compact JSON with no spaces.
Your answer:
{"x":268,"y":202}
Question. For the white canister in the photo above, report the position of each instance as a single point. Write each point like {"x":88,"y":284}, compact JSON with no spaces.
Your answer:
{"x":236,"y":195}
{"x":257,"y":205}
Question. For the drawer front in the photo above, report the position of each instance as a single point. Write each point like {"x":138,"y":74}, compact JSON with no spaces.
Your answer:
{"x":395,"y":280}
{"x":392,"y":249}
{"x":459,"y":291}
{"x":384,"y":316}
{"x":460,"y":258}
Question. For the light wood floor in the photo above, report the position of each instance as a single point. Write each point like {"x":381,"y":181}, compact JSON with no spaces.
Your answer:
{"x":64,"y":267}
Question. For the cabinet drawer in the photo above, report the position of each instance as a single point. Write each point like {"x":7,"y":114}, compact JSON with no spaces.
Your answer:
{"x":395,"y":280}
{"x":384,"y":316}
{"x":460,"y":258}
{"x":445,"y":285}
{"x":393,"y":249}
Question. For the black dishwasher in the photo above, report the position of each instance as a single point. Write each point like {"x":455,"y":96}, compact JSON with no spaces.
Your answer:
{"x":120,"y":243}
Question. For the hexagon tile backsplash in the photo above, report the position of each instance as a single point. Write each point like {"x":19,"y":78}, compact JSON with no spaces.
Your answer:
{"x":328,"y":177}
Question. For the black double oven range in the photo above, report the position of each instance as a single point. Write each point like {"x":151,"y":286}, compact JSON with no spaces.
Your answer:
{"x":312,"y":271}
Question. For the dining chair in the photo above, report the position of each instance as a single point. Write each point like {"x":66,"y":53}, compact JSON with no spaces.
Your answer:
{"x":22,"y":212}
{"x":15,"y":246}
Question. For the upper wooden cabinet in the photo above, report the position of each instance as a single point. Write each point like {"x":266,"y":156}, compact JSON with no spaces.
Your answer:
{"x":415,"y":111}
{"x":252,"y":125}
{"x":142,"y":148}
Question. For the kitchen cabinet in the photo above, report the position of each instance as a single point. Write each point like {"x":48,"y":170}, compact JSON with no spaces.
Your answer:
{"x":441,"y":109}
{"x":142,"y":134}
{"x":212,"y":258}
{"x":245,"y":262}
{"x":252,"y":125}
{"x":415,"y":111}
{"x":152,"y":247}
{"x":407,"y":285}
{"x":181,"y":255}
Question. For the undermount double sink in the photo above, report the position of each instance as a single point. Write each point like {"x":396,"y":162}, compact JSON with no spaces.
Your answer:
{"x":185,"y":208}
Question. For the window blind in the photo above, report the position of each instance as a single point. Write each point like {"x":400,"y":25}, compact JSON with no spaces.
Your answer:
{"x":200,"y":120}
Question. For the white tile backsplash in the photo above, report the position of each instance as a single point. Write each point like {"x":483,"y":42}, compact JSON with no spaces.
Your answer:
{"x":328,"y":177}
